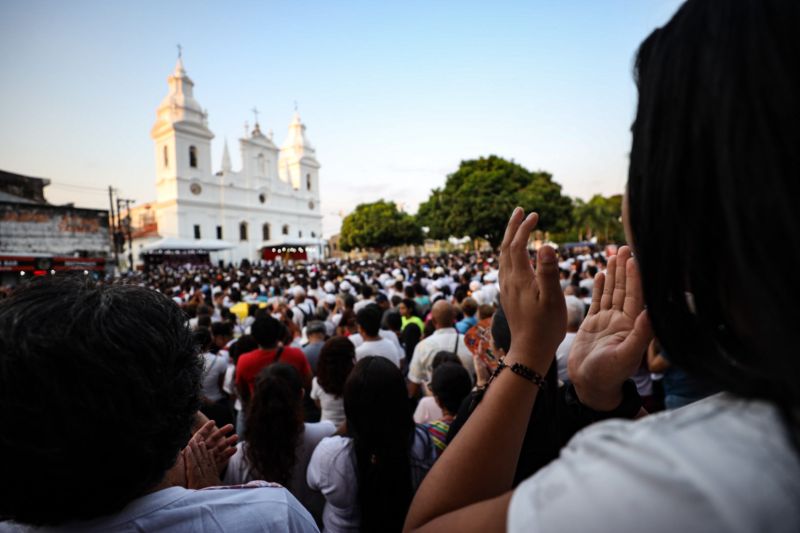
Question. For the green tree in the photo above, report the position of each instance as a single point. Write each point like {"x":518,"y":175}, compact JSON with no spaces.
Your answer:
{"x":477,"y":200}
{"x":379,"y":225}
{"x":599,"y":217}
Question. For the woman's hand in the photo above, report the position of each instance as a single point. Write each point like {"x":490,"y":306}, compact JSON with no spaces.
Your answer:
{"x":218,"y":441}
{"x":614,"y":336}
{"x":201,"y":471}
{"x":533,"y":301}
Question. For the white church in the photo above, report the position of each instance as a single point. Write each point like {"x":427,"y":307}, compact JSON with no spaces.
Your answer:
{"x":269,"y":207}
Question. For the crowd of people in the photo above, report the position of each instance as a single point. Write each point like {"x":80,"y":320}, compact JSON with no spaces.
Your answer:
{"x":652,"y":389}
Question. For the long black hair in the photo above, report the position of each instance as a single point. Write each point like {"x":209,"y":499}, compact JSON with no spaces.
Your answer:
{"x":713,"y":188}
{"x":275,"y":423}
{"x":380,"y":422}
{"x":336,"y":360}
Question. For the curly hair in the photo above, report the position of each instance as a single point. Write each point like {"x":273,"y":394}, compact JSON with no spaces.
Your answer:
{"x":275,"y":423}
{"x":77,"y":359}
{"x":336,"y":360}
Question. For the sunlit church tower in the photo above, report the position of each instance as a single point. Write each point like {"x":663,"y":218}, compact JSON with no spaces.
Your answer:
{"x":273,"y":200}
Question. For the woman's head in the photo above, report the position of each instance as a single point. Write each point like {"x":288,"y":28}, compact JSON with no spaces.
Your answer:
{"x":712,"y":191}
{"x":379,"y":421}
{"x":336,"y":359}
{"x":275,"y":422}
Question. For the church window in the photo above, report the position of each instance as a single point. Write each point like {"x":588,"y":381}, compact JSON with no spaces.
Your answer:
{"x":285,"y":229}
{"x":166,"y":156}
{"x":262,"y":197}
{"x":313,"y":234}
{"x":308,"y":181}
{"x":243,"y":231}
{"x":219,"y":232}
{"x":193,"y":156}
{"x":300,"y":234}
{"x":262,"y":165}
{"x":265,"y":232}
{"x":197,"y":231}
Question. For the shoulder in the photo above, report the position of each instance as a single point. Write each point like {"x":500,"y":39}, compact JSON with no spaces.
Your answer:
{"x":704,"y":459}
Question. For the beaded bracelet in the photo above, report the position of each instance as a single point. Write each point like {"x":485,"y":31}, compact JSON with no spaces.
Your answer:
{"x":520,"y":370}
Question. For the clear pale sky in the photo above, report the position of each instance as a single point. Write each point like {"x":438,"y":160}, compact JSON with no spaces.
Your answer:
{"x":394,"y":93}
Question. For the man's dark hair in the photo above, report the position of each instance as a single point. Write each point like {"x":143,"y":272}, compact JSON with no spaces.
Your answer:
{"x":451,"y":384}
{"x":267,"y":330}
{"x":501,"y":333}
{"x":393,"y":321}
{"x":222,"y":329}
{"x":336,"y":359}
{"x":369,"y":318}
{"x":719,"y":97}
{"x":113,"y":360}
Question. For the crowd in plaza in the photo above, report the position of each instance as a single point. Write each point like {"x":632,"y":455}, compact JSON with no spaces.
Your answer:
{"x":652,"y":389}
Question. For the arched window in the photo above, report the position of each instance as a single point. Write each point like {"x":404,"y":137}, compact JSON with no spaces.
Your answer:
{"x":300,"y":234}
{"x":265,"y":232}
{"x":285,"y":229}
{"x":243,"y":231}
{"x":261,"y":165}
{"x":313,"y":234}
{"x":193,"y":157}
{"x":166,"y":156}
{"x":308,"y":181}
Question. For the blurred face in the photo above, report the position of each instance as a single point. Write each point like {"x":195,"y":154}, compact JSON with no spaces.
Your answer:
{"x":403,"y":310}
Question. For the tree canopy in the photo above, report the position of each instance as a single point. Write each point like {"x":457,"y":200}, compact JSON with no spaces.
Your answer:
{"x":600,"y":217}
{"x":478,"y":198}
{"x":379,"y":225}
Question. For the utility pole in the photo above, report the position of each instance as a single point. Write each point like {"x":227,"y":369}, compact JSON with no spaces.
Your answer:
{"x":113,"y":227}
{"x":124,"y":226}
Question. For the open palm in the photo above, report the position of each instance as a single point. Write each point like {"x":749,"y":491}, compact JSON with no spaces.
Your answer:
{"x":612,"y":339}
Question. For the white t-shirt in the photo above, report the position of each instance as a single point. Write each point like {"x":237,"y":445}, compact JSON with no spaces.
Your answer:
{"x":258,"y":507}
{"x":214,"y":367}
{"x":443,"y":339}
{"x":380,"y":348}
{"x":562,"y":355}
{"x":332,"y":406}
{"x":332,"y":471}
{"x":387,"y":334}
{"x":239,"y":470}
{"x":720,"y":464}
{"x":427,"y":410}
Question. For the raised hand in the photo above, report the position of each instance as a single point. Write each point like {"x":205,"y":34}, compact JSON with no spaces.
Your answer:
{"x":533,"y":301}
{"x":217,"y":441}
{"x":612,"y":339}
{"x":201,"y":470}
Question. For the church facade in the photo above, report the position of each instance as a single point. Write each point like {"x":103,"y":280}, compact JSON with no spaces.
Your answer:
{"x":272,"y":203}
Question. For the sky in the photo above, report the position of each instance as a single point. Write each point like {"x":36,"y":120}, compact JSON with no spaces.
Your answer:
{"x":394,"y":94}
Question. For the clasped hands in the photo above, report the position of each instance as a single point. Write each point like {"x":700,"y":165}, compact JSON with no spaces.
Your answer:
{"x":612,"y":338}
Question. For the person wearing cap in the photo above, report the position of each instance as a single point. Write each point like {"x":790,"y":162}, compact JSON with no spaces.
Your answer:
{"x":316,"y":332}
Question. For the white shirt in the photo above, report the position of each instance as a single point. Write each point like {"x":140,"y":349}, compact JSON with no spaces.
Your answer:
{"x":387,"y":334}
{"x":214,"y":367}
{"x":720,"y":464}
{"x":332,"y":406}
{"x":562,"y":354}
{"x":427,"y":410}
{"x":361,"y":304}
{"x":259,"y":507}
{"x":332,"y":471}
{"x":443,"y":339}
{"x":381,"y":348}
{"x":239,"y":470}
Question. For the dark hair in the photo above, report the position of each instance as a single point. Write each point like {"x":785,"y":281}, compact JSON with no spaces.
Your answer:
{"x":393,"y":321}
{"x":202,"y":338}
{"x":274,"y":423}
{"x":501,"y":333}
{"x":469,"y":306}
{"x":444,"y":356}
{"x":379,"y":421}
{"x":203,"y":322}
{"x":224,"y":329}
{"x":719,"y":97}
{"x":411,"y":305}
{"x":336,"y":359}
{"x":369,"y":318}
{"x":267,"y":331}
{"x":451,"y":384}
{"x":243,"y":345}
{"x":410,"y":337}
{"x":118,"y":359}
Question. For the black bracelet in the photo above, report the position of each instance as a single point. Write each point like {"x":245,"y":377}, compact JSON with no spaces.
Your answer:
{"x":520,"y":370}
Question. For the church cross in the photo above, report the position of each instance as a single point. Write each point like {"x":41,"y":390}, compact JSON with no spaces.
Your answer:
{"x":255,"y":113}
{"x":180,"y":51}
